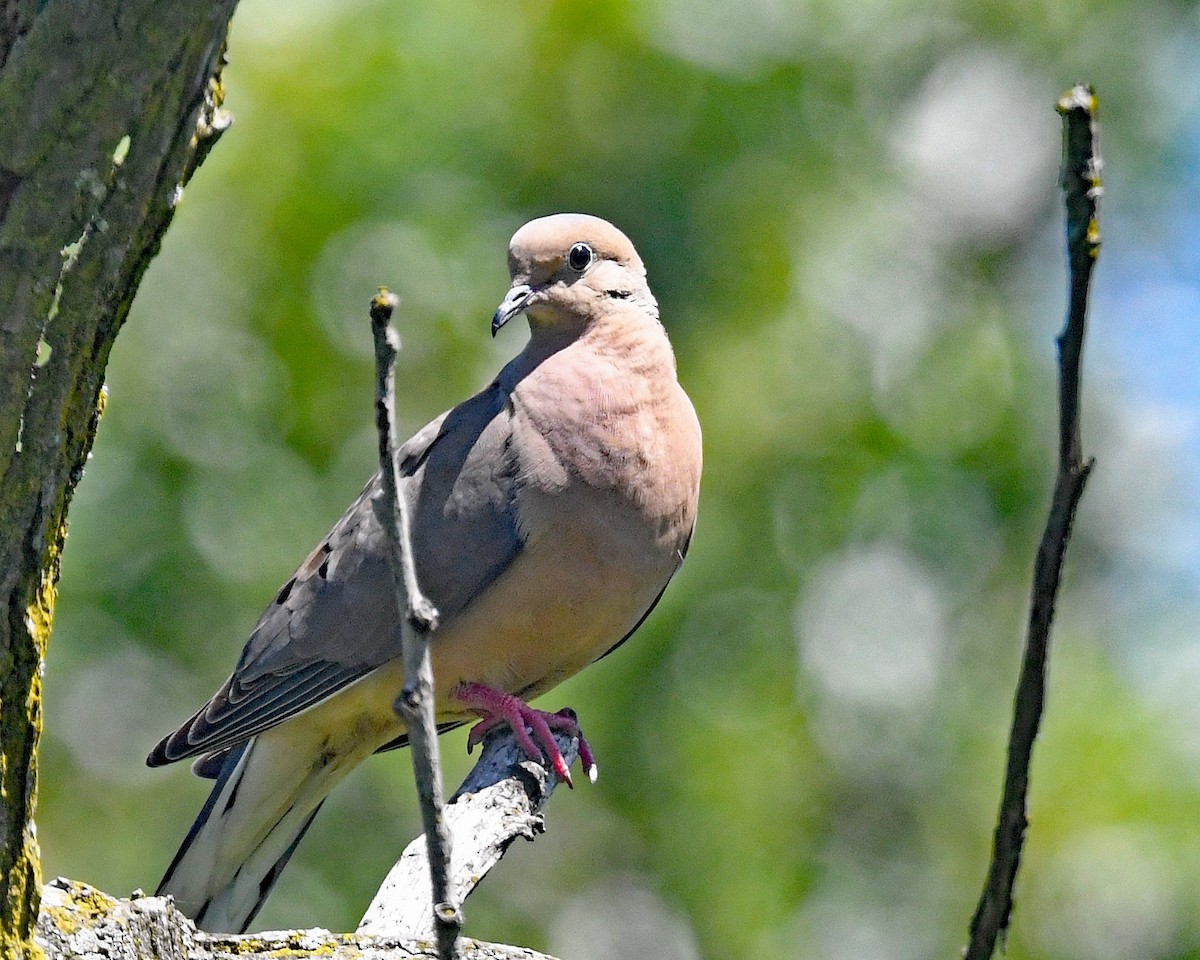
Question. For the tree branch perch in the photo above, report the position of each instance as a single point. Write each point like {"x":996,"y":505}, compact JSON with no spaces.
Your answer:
{"x":78,"y":921}
{"x":500,"y":800}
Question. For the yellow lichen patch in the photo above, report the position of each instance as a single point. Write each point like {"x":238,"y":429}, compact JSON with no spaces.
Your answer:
{"x":12,"y":948}
{"x":63,"y":918}
{"x":1078,"y":97}
{"x":39,"y":618}
{"x":122,"y":150}
{"x":39,"y":615}
{"x":90,"y":901}
{"x":300,"y":944}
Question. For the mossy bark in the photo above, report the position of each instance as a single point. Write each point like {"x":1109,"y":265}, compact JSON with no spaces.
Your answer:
{"x":78,"y":921}
{"x":105,"y":110}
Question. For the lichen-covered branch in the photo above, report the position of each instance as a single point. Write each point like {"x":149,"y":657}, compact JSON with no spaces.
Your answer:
{"x":105,"y":111}
{"x":500,"y":800}
{"x":83,"y":924}
{"x":1081,"y":189}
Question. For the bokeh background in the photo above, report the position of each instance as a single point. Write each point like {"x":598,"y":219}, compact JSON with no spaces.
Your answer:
{"x":850,"y":218}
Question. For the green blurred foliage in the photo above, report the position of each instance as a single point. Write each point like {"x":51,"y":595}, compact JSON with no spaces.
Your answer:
{"x":849,"y":216}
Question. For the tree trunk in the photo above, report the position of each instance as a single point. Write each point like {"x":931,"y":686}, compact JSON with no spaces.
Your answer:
{"x":105,"y":111}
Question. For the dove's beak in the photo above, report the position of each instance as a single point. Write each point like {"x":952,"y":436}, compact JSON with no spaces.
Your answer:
{"x":514,"y":302}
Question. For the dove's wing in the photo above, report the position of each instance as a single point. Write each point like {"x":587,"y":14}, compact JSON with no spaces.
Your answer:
{"x":336,"y":619}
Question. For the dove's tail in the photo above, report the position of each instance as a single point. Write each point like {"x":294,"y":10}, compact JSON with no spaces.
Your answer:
{"x":267,"y":793}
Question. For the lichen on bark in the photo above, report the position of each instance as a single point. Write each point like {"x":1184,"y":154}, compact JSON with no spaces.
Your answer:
{"x":105,"y":113}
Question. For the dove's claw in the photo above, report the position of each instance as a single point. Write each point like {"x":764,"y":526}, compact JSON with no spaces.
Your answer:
{"x":568,"y":721}
{"x":538,"y":741}
{"x":588,"y":759}
{"x":481,"y":730}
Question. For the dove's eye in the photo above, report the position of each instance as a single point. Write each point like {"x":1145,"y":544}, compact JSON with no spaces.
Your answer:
{"x":580,"y":257}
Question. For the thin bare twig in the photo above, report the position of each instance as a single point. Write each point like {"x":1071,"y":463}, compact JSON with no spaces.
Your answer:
{"x":1081,"y":189}
{"x":415,"y":701}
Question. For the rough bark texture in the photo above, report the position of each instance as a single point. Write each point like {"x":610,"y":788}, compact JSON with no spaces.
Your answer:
{"x":500,"y":800}
{"x":105,"y":110}
{"x":80,"y":922}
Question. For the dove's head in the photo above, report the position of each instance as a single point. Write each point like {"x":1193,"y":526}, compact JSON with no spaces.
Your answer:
{"x":569,"y":270}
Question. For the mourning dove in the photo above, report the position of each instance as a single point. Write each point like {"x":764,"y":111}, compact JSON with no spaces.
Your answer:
{"x":549,"y":511}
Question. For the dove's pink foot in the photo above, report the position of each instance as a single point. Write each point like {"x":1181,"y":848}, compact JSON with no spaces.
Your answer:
{"x":498,"y":708}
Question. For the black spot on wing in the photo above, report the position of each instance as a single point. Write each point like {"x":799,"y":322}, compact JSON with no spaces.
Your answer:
{"x":285,"y":592}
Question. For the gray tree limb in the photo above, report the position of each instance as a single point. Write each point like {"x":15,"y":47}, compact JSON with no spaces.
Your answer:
{"x":500,"y":800}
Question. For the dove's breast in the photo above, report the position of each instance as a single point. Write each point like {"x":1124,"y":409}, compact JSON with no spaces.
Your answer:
{"x":605,"y":507}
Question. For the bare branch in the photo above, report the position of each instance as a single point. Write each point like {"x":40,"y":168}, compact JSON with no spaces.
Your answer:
{"x":1081,"y":188}
{"x":499,"y":801}
{"x":415,"y":702}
